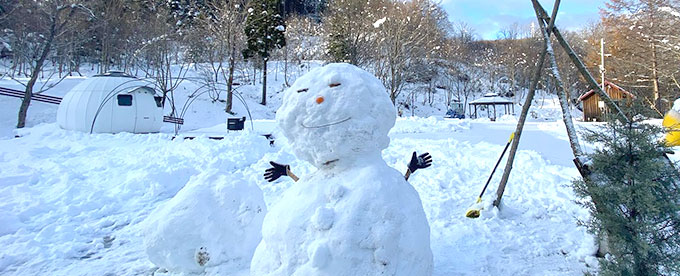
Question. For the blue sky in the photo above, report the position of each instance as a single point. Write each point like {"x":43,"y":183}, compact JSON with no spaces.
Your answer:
{"x":488,"y":17}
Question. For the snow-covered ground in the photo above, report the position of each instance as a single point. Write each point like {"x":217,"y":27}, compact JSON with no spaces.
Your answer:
{"x":73,"y":203}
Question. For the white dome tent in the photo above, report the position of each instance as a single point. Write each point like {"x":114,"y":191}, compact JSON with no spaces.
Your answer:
{"x":111,"y":103}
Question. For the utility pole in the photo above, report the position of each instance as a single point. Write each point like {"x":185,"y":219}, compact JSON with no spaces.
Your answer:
{"x":602,"y":70}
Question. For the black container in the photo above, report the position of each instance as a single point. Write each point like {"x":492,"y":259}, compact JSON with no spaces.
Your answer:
{"x":235,"y":123}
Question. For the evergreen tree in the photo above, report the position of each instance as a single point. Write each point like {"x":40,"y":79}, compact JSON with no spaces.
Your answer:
{"x":634,"y":202}
{"x":264,"y":29}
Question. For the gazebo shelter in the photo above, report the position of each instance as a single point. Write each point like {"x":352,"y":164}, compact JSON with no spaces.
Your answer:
{"x":492,"y":102}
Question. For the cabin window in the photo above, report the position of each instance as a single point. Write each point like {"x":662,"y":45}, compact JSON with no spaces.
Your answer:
{"x":159,"y":101}
{"x":600,"y":104}
{"x":125,"y":100}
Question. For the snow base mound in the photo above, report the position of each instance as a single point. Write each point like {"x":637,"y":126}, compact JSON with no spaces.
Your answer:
{"x":213,"y":221}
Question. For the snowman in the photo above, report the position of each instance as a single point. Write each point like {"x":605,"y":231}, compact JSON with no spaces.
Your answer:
{"x":355,"y":215}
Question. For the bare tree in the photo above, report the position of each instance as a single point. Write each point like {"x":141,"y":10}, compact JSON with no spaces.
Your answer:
{"x":41,"y":27}
{"x":222,"y":38}
{"x":162,"y":56}
{"x":411,"y":33}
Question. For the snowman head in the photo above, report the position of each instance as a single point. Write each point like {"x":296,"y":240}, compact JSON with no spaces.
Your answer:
{"x":337,"y":112}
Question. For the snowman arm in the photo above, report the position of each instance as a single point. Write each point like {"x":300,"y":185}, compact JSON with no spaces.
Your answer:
{"x":407,"y":174}
{"x":291,"y":174}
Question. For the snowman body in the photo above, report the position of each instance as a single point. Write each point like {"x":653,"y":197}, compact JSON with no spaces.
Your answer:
{"x":355,"y":215}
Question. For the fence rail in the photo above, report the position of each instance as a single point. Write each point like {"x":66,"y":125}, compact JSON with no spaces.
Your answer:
{"x":36,"y":97}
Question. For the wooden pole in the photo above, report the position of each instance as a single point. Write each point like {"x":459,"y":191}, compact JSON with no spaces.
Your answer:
{"x":520,"y":126}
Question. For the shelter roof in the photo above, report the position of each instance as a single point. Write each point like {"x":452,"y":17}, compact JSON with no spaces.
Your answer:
{"x":492,"y":98}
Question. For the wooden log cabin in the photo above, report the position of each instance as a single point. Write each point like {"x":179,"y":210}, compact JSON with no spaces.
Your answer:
{"x":594,"y":108}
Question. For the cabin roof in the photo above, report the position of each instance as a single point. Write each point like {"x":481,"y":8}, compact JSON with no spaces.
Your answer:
{"x":606,"y":83}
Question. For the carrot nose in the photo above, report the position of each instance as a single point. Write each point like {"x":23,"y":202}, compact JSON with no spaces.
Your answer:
{"x":319,"y":100}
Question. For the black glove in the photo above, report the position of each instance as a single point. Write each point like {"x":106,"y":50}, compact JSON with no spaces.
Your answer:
{"x":276,"y":171}
{"x":419,"y":162}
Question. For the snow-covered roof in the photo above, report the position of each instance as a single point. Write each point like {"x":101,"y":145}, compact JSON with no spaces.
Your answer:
{"x":492,"y":98}
{"x":606,"y":83}
{"x":114,"y":73}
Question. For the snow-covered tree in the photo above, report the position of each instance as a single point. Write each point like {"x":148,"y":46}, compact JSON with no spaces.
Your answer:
{"x":409,"y":38}
{"x":264,"y":30}
{"x":349,"y":30}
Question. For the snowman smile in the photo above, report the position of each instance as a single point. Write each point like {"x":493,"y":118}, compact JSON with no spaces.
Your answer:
{"x":327,"y":125}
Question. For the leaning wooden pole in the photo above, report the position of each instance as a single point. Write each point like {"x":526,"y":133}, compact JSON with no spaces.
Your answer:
{"x":520,"y":126}
{"x":579,"y":64}
{"x":561,"y":90}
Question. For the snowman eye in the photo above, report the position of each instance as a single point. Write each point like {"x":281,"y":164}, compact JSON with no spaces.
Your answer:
{"x":303,"y":90}
{"x":334,"y":84}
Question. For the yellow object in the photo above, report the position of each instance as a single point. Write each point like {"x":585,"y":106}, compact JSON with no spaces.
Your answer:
{"x":512,"y":136}
{"x":472,"y":213}
{"x":475,"y":210}
{"x":672,"y":124}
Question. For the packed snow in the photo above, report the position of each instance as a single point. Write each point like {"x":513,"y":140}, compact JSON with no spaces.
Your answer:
{"x":73,"y":203}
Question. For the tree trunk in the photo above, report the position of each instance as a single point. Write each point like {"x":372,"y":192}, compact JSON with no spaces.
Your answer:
{"x":285,"y":66}
{"x":230,"y":82}
{"x":264,"y":82}
{"x":23,"y":110}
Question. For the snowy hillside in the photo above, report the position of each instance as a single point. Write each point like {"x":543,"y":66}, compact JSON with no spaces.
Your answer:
{"x":74,"y":204}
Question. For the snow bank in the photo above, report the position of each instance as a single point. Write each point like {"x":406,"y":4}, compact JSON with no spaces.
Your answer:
{"x":429,"y":124}
{"x":81,"y":199}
